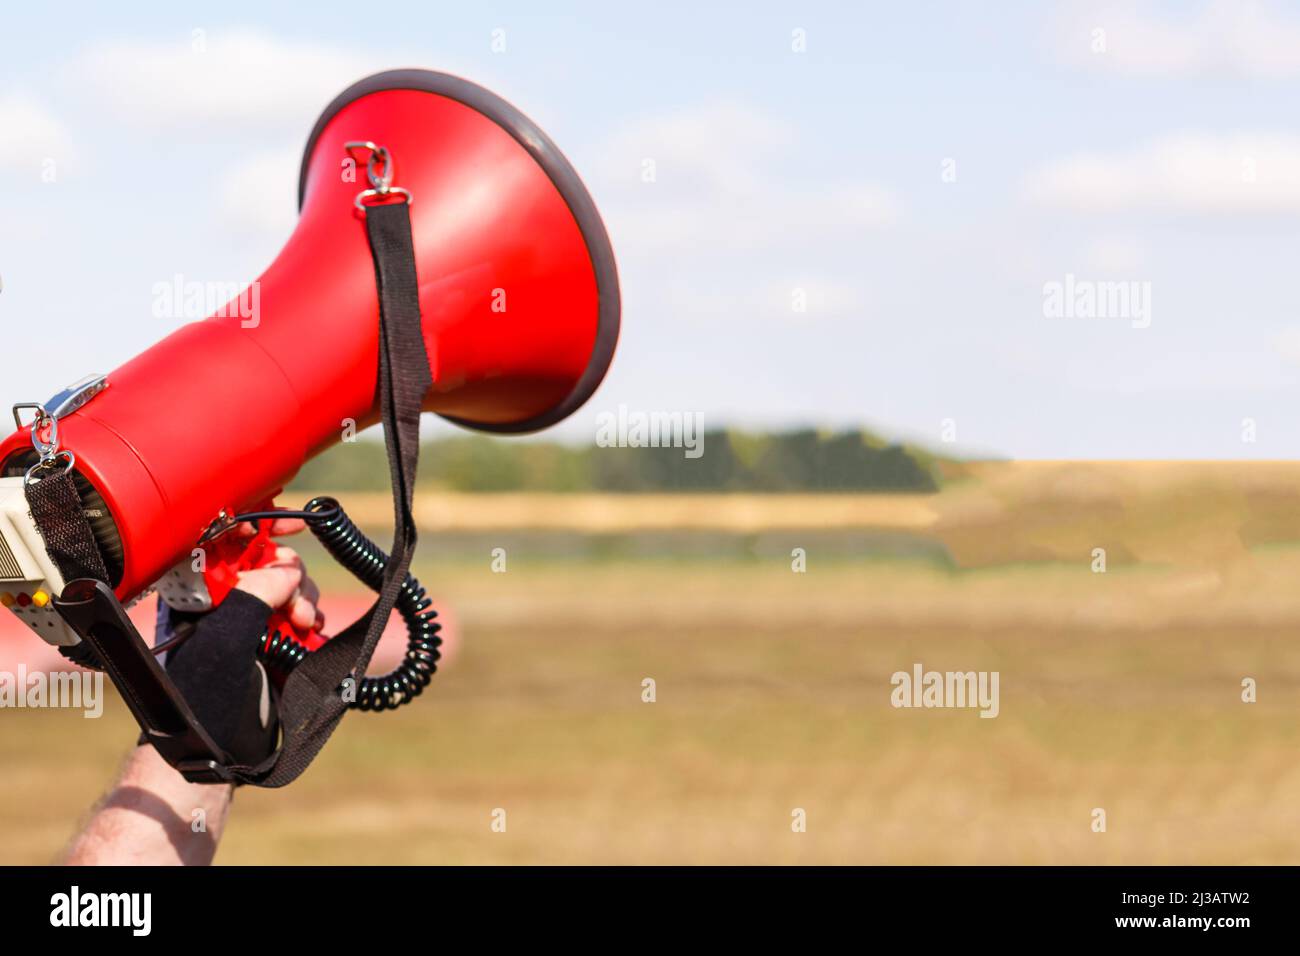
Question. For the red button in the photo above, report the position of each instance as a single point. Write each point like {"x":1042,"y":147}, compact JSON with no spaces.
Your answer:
{"x":24,"y":599}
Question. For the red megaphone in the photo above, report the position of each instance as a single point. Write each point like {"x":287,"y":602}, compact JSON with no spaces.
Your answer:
{"x":518,"y":295}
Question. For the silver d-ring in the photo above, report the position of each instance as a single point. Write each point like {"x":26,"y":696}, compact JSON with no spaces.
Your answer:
{"x":380,"y":182}
{"x":45,"y":448}
{"x":46,"y":462}
{"x":392,"y":191}
{"x":379,"y":156}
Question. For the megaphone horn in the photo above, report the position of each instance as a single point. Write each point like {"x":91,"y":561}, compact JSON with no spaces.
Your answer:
{"x":518,"y":295}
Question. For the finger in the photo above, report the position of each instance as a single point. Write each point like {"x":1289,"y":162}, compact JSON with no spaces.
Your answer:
{"x":309,"y":590}
{"x":285,"y":557}
{"x":280,"y":527}
{"x":273,"y":584}
{"x":285,"y":526}
{"x":302,"y":613}
{"x":289,"y":575}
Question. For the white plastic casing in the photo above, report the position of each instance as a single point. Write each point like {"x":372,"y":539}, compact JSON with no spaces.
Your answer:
{"x":26,"y":568}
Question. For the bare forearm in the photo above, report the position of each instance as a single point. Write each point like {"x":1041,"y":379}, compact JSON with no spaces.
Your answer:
{"x":153,"y":817}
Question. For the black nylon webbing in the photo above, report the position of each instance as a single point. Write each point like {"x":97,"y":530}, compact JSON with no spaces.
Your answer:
{"x":56,"y":508}
{"x":311,"y":704}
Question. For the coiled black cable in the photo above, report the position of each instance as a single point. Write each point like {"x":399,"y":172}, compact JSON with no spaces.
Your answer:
{"x":349,"y":546}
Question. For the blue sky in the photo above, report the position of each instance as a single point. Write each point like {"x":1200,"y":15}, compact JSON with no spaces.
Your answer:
{"x":1163,"y":150}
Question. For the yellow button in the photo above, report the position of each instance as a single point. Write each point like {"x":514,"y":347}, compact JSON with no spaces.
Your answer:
{"x":40,"y":599}
{"x":7,"y":599}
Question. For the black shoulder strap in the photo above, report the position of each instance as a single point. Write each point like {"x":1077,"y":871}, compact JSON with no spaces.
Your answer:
{"x":312,"y":702}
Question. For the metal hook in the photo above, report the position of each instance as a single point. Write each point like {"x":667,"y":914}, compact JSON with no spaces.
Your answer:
{"x":379,"y":156}
{"x":381,"y":184}
{"x":28,"y":476}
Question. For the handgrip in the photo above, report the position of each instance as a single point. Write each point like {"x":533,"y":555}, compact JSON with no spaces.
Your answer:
{"x":228,"y":557}
{"x":284,"y":646}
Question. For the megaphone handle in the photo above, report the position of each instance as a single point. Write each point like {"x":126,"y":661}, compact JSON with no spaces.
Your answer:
{"x":285,"y":646}
{"x":228,"y":559}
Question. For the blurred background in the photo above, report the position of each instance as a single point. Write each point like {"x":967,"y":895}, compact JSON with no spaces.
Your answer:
{"x":839,"y":230}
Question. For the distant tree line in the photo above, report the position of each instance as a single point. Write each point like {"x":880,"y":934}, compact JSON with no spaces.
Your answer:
{"x":804,"y":460}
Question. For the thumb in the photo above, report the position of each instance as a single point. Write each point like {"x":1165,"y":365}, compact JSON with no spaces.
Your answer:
{"x":275,"y":584}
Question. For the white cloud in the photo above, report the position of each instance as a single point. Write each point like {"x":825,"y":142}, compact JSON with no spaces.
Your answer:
{"x":1250,"y":174}
{"x":1181,"y":370}
{"x":1224,"y":36}
{"x":722,"y":203}
{"x":1115,"y":255}
{"x":240,"y":77}
{"x":795,"y":299}
{"x":717,"y":185}
{"x":259,"y":195}
{"x":711,"y":145}
{"x":1287,"y":345}
{"x":31,"y":135}
{"x":238,"y":86}
{"x":810,"y":298}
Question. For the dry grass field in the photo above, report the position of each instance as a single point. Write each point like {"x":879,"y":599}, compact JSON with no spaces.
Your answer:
{"x":1119,"y":690}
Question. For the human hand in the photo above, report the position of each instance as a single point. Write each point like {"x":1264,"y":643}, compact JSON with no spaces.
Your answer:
{"x":282,"y":583}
